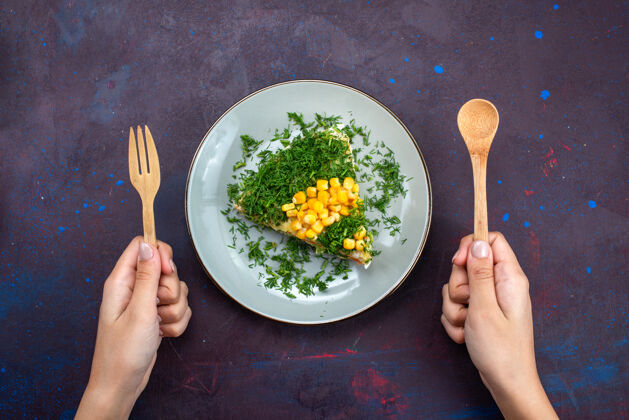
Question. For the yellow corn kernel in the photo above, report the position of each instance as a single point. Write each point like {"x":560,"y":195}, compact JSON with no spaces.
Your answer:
{"x":300,"y":215}
{"x":328,"y":220}
{"x":312,"y":213}
{"x":336,"y":216}
{"x":309,"y":219}
{"x":342,"y":197}
{"x":349,"y":243}
{"x":317,"y":227}
{"x":360,"y":233}
{"x":292,"y":213}
{"x":348,"y":183}
{"x":344,"y":211}
{"x":333,"y":200}
{"x":288,"y":206}
{"x":355,"y":188}
{"x":323,"y":196}
{"x":318,"y":207}
{"x":310,"y":234}
{"x":360,"y":245}
{"x":334,"y":182}
{"x":323,"y":214}
{"x":295,"y":225}
{"x":334,"y":190}
{"x":352,"y":195}
{"x":299,"y":198}
{"x":311,"y":192}
{"x":311,"y":202}
{"x":322,"y":184}
{"x":304,"y":207}
{"x":335,"y":207}
{"x":301,"y":234}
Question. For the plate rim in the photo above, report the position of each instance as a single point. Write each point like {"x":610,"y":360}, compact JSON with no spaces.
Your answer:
{"x":374,"y":303}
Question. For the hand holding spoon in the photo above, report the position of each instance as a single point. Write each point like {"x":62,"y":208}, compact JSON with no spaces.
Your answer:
{"x":478,"y":122}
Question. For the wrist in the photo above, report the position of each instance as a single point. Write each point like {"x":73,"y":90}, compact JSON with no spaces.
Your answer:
{"x":102,"y":402}
{"x":524,"y":399}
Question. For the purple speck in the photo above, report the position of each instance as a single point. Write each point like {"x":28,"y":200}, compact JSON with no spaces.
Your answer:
{"x":544,"y":94}
{"x":438,"y":69}
{"x":111,"y":84}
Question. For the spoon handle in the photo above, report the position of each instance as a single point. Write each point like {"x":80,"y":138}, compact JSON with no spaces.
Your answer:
{"x":479,"y":166}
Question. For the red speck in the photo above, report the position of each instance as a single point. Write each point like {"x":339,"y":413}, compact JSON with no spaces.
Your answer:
{"x":111,"y":84}
{"x":550,"y":152}
{"x":529,"y":192}
{"x":564,"y":146}
{"x":370,"y":386}
{"x":351,"y":351}
{"x":321,"y":356}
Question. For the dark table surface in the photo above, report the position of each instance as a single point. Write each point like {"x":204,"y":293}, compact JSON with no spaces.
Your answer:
{"x":75,"y":75}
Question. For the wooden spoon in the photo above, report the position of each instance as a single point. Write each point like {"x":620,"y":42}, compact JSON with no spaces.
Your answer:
{"x":478,"y":122}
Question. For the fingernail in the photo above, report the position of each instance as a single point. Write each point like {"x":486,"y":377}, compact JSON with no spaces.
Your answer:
{"x":172,"y":265}
{"x":157,"y":299}
{"x":146,"y":252}
{"x":480,"y":249}
{"x":159,"y":318}
{"x":455,"y":255}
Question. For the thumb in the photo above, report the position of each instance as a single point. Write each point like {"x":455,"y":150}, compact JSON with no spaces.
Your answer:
{"x":147,"y":276}
{"x":480,"y":273}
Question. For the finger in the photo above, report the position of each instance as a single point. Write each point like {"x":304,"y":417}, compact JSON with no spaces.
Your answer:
{"x":147,"y":276}
{"x":480,"y":274}
{"x":512,"y":286}
{"x":455,"y":313}
{"x":118,"y":287}
{"x":457,"y":334}
{"x":169,"y":289}
{"x":458,"y":286}
{"x":460,"y":256}
{"x":166,"y":255}
{"x":175,"y":312}
{"x":176,"y":329}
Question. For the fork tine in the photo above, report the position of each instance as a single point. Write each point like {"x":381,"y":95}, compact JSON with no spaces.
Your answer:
{"x":142,"y":152}
{"x":152,"y":152}
{"x":134,"y":171}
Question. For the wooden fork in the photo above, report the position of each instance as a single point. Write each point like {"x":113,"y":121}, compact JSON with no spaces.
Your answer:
{"x":145,"y":177}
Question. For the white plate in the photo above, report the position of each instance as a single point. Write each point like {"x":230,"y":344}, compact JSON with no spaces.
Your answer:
{"x":258,"y":115}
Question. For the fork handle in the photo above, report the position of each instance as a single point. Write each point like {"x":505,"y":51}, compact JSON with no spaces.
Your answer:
{"x":148,"y":219}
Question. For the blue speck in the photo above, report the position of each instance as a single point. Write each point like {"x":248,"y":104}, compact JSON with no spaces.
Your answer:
{"x":491,"y":39}
{"x":101,"y":208}
{"x":539,"y":34}
{"x":3,"y":370}
{"x":505,"y":217}
{"x":111,"y":175}
{"x":544,"y":94}
{"x":541,"y":136}
{"x":191,"y":31}
{"x":588,"y":269}
{"x":541,"y":207}
{"x":499,"y":181}
{"x":44,"y":44}
{"x":592,"y":204}
{"x":418,"y":91}
{"x":392,"y":80}
{"x":438,"y":69}
{"x":120,"y":182}
{"x":61,"y":228}
{"x":406,"y":59}
{"x":77,"y":211}
{"x":87,"y":280}
{"x":85,"y":205}
{"x":526,"y":224}
{"x":555,"y":6}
